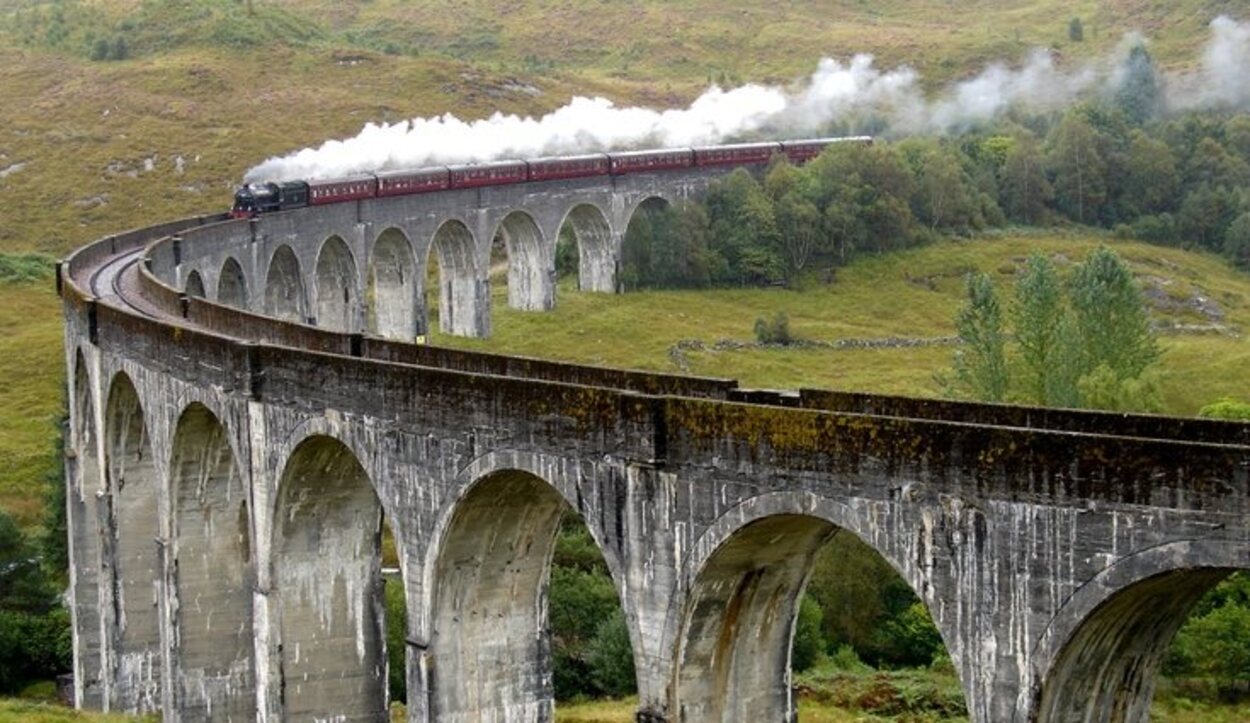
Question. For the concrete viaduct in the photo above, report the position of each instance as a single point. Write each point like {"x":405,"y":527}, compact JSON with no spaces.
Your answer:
{"x":247,"y":410}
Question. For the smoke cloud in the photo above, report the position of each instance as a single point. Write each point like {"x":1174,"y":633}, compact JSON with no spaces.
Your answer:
{"x":836,"y":93}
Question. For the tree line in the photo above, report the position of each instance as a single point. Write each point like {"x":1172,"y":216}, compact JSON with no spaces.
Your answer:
{"x":1114,"y":164}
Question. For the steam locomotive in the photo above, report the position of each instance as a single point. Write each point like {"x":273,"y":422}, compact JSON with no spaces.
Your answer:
{"x":258,"y":198}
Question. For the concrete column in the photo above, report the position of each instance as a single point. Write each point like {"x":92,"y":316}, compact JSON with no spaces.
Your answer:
{"x":262,"y":483}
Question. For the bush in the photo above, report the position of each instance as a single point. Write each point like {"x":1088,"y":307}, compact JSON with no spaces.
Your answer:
{"x":1237,"y":241}
{"x":909,"y":639}
{"x":1159,"y":229}
{"x":611,"y":657}
{"x":16,"y":268}
{"x":775,"y":331}
{"x":1226,"y":409}
{"x":33,"y":647}
{"x":809,"y":643}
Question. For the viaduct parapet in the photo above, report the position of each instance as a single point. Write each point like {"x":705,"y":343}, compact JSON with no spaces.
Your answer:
{"x":247,"y":411}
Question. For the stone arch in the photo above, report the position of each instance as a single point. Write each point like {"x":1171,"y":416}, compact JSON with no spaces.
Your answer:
{"x":326,"y":572}
{"x":391,"y":291}
{"x":489,"y":655}
{"x":731,"y":634}
{"x":336,"y":286}
{"x":284,"y":287}
{"x":531,"y":264}
{"x":596,"y":254}
{"x":1102,"y":651}
{"x":195,"y":285}
{"x":232,"y":284}
{"x":84,"y":479}
{"x":135,"y":536}
{"x":215,"y":577}
{"x":462,"y":294}
{"x":639,"y":255}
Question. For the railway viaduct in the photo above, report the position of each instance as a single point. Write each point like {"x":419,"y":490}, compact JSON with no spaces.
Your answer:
{"x":247,"y":412}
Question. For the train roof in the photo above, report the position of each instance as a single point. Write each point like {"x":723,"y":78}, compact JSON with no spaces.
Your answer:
{"x":579,"y":157}
{"x":503,"y":163}
{"x":739,"y":146}
{"x":647,"y":152}
{"x":422,"y":171}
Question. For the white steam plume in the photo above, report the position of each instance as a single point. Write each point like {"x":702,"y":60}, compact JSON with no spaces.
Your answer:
{"x":834,"y":92}
{"x":1224,"y":81}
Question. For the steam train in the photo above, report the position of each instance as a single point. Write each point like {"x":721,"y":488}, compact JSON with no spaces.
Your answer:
{"x":257,"y":198}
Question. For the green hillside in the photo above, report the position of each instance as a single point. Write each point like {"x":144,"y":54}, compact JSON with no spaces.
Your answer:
{"x":885,"y":323}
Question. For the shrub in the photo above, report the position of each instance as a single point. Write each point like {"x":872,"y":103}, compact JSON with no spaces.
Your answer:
{"x":774,"y":331}
{"x":1226,"y":409}
{"x":611,"y":657}
{"x":809,"y":643}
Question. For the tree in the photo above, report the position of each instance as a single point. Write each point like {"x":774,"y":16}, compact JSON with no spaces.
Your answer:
{"x":55,"y":541}
{"x":1138,"y":95}
{"x":611,"y":657}
{"x":743,"y":230}
{"x":1206,"y":215}
{"x":1076,"y":30}
{"x":981,"y":364}
{"x":944,"y":197}
{"x":1111,"y":318}
{"x":1024,"y":190}
{"x":1150,"y":177}
{"x":863,"y":194}
{"x":1038,"y":318}
{"x":800,"y":231}
{"x":1078,"y":168}
{"x":1217,"y":645}
{"x":809,"y":643}
{"x":1237,"y":241}
{"x":1211,"y":164}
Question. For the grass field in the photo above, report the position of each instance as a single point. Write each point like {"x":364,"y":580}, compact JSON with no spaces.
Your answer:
{"x":15,"y":711}
{"x":31,"y":378}
{"x":909,"y":295}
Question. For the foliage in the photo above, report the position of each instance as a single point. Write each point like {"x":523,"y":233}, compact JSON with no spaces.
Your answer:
{"x":1226,"y":409}
{"x":1138,"y":96}
{"x":1110,"y":317}
{"x":905,"y":695}
{"x":981,"y":364}
{"x":774,"y":331}
{"x":1214,"y":642}
{"x":809,"y":641}
{"x":1076,"y":30}
{"x":54,"y":542}
{"x":1237,"y":241}
{"x":1077,"y":167}
{"x":1043,"y":335}
{"x":35,"y":638}
{"x":581,"y":600}
{"x":611,"y":657}
{"x":396,"y":640}
{"x":1084,"y":344}
{"x":17,"y":268}
{"x":908,"y":638}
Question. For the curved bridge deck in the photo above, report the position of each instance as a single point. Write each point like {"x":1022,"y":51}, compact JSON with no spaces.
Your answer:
{"x":231,"y":471}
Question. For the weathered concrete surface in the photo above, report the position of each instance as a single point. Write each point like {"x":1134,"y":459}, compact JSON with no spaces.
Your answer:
{"x":1057,"y":551}
{"x":213,"y":617}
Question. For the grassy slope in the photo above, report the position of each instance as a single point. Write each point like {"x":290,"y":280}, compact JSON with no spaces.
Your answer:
{"x":12,"y":711}
{"x":913,"y":294}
